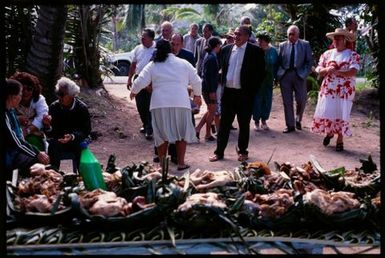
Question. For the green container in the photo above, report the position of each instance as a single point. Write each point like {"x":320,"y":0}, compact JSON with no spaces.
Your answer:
{"x":91,"y":171}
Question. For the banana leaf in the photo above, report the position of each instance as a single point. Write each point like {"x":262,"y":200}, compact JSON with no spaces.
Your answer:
{"x":333,"y":178}
{"x":370,"y":188}
{"x":202,"y":218}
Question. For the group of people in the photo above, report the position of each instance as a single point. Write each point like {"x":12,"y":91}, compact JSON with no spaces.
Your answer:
{"x":38,"y":133}
{"x":167,"y":78}
{"x":235,"y":77}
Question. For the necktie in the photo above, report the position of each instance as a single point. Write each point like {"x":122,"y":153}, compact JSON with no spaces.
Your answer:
{"x":292,"y":54}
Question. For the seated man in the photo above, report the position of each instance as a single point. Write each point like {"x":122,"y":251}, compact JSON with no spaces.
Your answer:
{"x":68,"y":122}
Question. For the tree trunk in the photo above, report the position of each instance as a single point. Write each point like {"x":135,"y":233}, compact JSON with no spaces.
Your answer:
{"x":45,"y":58}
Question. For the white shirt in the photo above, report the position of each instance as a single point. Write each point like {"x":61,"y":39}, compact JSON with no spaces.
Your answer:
{"x":233,"y":76}
{"x":189,"y":42}
{"x":40,"y":108}
{"x":142,"y":56}
{"x":169,"y":82}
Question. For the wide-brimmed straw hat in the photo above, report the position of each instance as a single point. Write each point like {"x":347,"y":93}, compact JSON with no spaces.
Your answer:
{"x":341,"y":32}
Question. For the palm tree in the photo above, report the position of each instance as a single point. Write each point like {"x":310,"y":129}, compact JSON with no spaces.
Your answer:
{"x":45,"y":57}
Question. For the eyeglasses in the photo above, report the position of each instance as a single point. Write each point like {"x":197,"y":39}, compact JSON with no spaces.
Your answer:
{"x":60,"y":94}
{"x":291,"y":34}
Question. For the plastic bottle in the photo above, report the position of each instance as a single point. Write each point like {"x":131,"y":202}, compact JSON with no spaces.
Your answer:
{"x":90,"y":169}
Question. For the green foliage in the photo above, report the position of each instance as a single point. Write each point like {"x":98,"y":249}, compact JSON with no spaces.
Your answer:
{"x":18,"y":23}
{"x":185,"y":13}
{"x":312,"y":88}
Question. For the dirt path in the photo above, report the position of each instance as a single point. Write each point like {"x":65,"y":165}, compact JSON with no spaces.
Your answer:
{"x":117,"y":120}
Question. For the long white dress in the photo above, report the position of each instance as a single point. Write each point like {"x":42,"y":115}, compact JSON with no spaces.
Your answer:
{"x":336,"y":94}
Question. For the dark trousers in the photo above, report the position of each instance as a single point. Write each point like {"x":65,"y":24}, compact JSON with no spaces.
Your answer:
{"x":292,"y":83}
{"x":234,"y":103}
{"x":56,"y":150}
{"x":142,"y":100}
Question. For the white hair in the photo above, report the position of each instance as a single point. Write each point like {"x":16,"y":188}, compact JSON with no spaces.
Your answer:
{"x":67,"y":85}
{"x":295,"y":27}
{"x":244,"y":18}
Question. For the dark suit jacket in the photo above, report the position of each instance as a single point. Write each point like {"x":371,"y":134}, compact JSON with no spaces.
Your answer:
{"x":187,"y":55}
{"x":252,"y":71}
{"x":210,"y":73}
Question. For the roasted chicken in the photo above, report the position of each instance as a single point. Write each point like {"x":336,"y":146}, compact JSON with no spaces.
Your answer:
{"x":209,"y":179}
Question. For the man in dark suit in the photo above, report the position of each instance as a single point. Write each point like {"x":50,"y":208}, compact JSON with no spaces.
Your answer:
{"x":243,"y":70}
{"x":294,"y":65}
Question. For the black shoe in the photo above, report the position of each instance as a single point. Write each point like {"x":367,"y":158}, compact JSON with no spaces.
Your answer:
{"x":210,"y":139}
{"x":197,"y":135}
{"x":326,"y":140}
{"x":142,"y":130}
{"x":298,"y":125}
{"x":148,"y":136}
{"x":156,"y":159}
{"x":213,"y":130}
{"x":289,"y":129}
{"x":174,"y":160}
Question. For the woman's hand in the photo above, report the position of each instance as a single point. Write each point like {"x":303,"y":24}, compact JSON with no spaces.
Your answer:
{"x":43,"y":158}
{"x":47,"y":120}
{"x":197,"y":100}
{"x":132,"y":95}
{"x":23,"y":120}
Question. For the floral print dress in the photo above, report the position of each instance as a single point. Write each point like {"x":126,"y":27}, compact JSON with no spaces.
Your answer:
{"x":336,"y":94}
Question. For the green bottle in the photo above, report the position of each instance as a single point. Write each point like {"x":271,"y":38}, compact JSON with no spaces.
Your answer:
{"x":91,"y":171}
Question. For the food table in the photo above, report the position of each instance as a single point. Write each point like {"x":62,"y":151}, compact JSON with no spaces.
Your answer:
{"x":239,"y":216}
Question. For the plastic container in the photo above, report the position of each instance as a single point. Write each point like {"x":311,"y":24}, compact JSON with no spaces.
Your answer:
{"x":91,"y":171}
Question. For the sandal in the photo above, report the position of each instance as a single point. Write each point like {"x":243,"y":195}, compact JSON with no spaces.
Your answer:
{"x":183,"y":167}
{"x":215,"y":157}
{"x":327,"y":139}
{"x":264,"y":127}
{"x":339,"y":146}
{"x":242,"y":157}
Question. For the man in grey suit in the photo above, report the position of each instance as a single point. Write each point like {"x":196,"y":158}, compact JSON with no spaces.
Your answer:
{"x":294,"y":65}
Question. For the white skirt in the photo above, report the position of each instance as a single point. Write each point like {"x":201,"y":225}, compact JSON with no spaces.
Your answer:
{"x":172,"y":124}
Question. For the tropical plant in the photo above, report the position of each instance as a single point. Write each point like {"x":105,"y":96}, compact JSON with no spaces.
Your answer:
{"x":85,"y":26}
{"x":45,"y":56}
{"x":371,"y":13}
{"x":19,"y":23}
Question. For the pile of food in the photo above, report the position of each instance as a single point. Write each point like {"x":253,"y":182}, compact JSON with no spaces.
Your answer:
{"x":252,"y":195}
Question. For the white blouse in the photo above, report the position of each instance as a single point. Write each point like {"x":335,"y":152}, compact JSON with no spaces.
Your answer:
{"x":170,"y":80}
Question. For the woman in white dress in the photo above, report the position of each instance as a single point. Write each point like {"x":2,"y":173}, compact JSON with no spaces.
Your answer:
{"x":170,"y":103}
{"x":339,"y":67}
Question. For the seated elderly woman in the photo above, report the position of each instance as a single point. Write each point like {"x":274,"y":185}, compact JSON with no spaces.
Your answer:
{"x":32,"y":109}
{"x":68,"y":123}
{"x":19,"y":154}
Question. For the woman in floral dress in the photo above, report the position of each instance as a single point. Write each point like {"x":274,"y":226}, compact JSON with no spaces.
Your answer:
{"x":339,"y":67}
